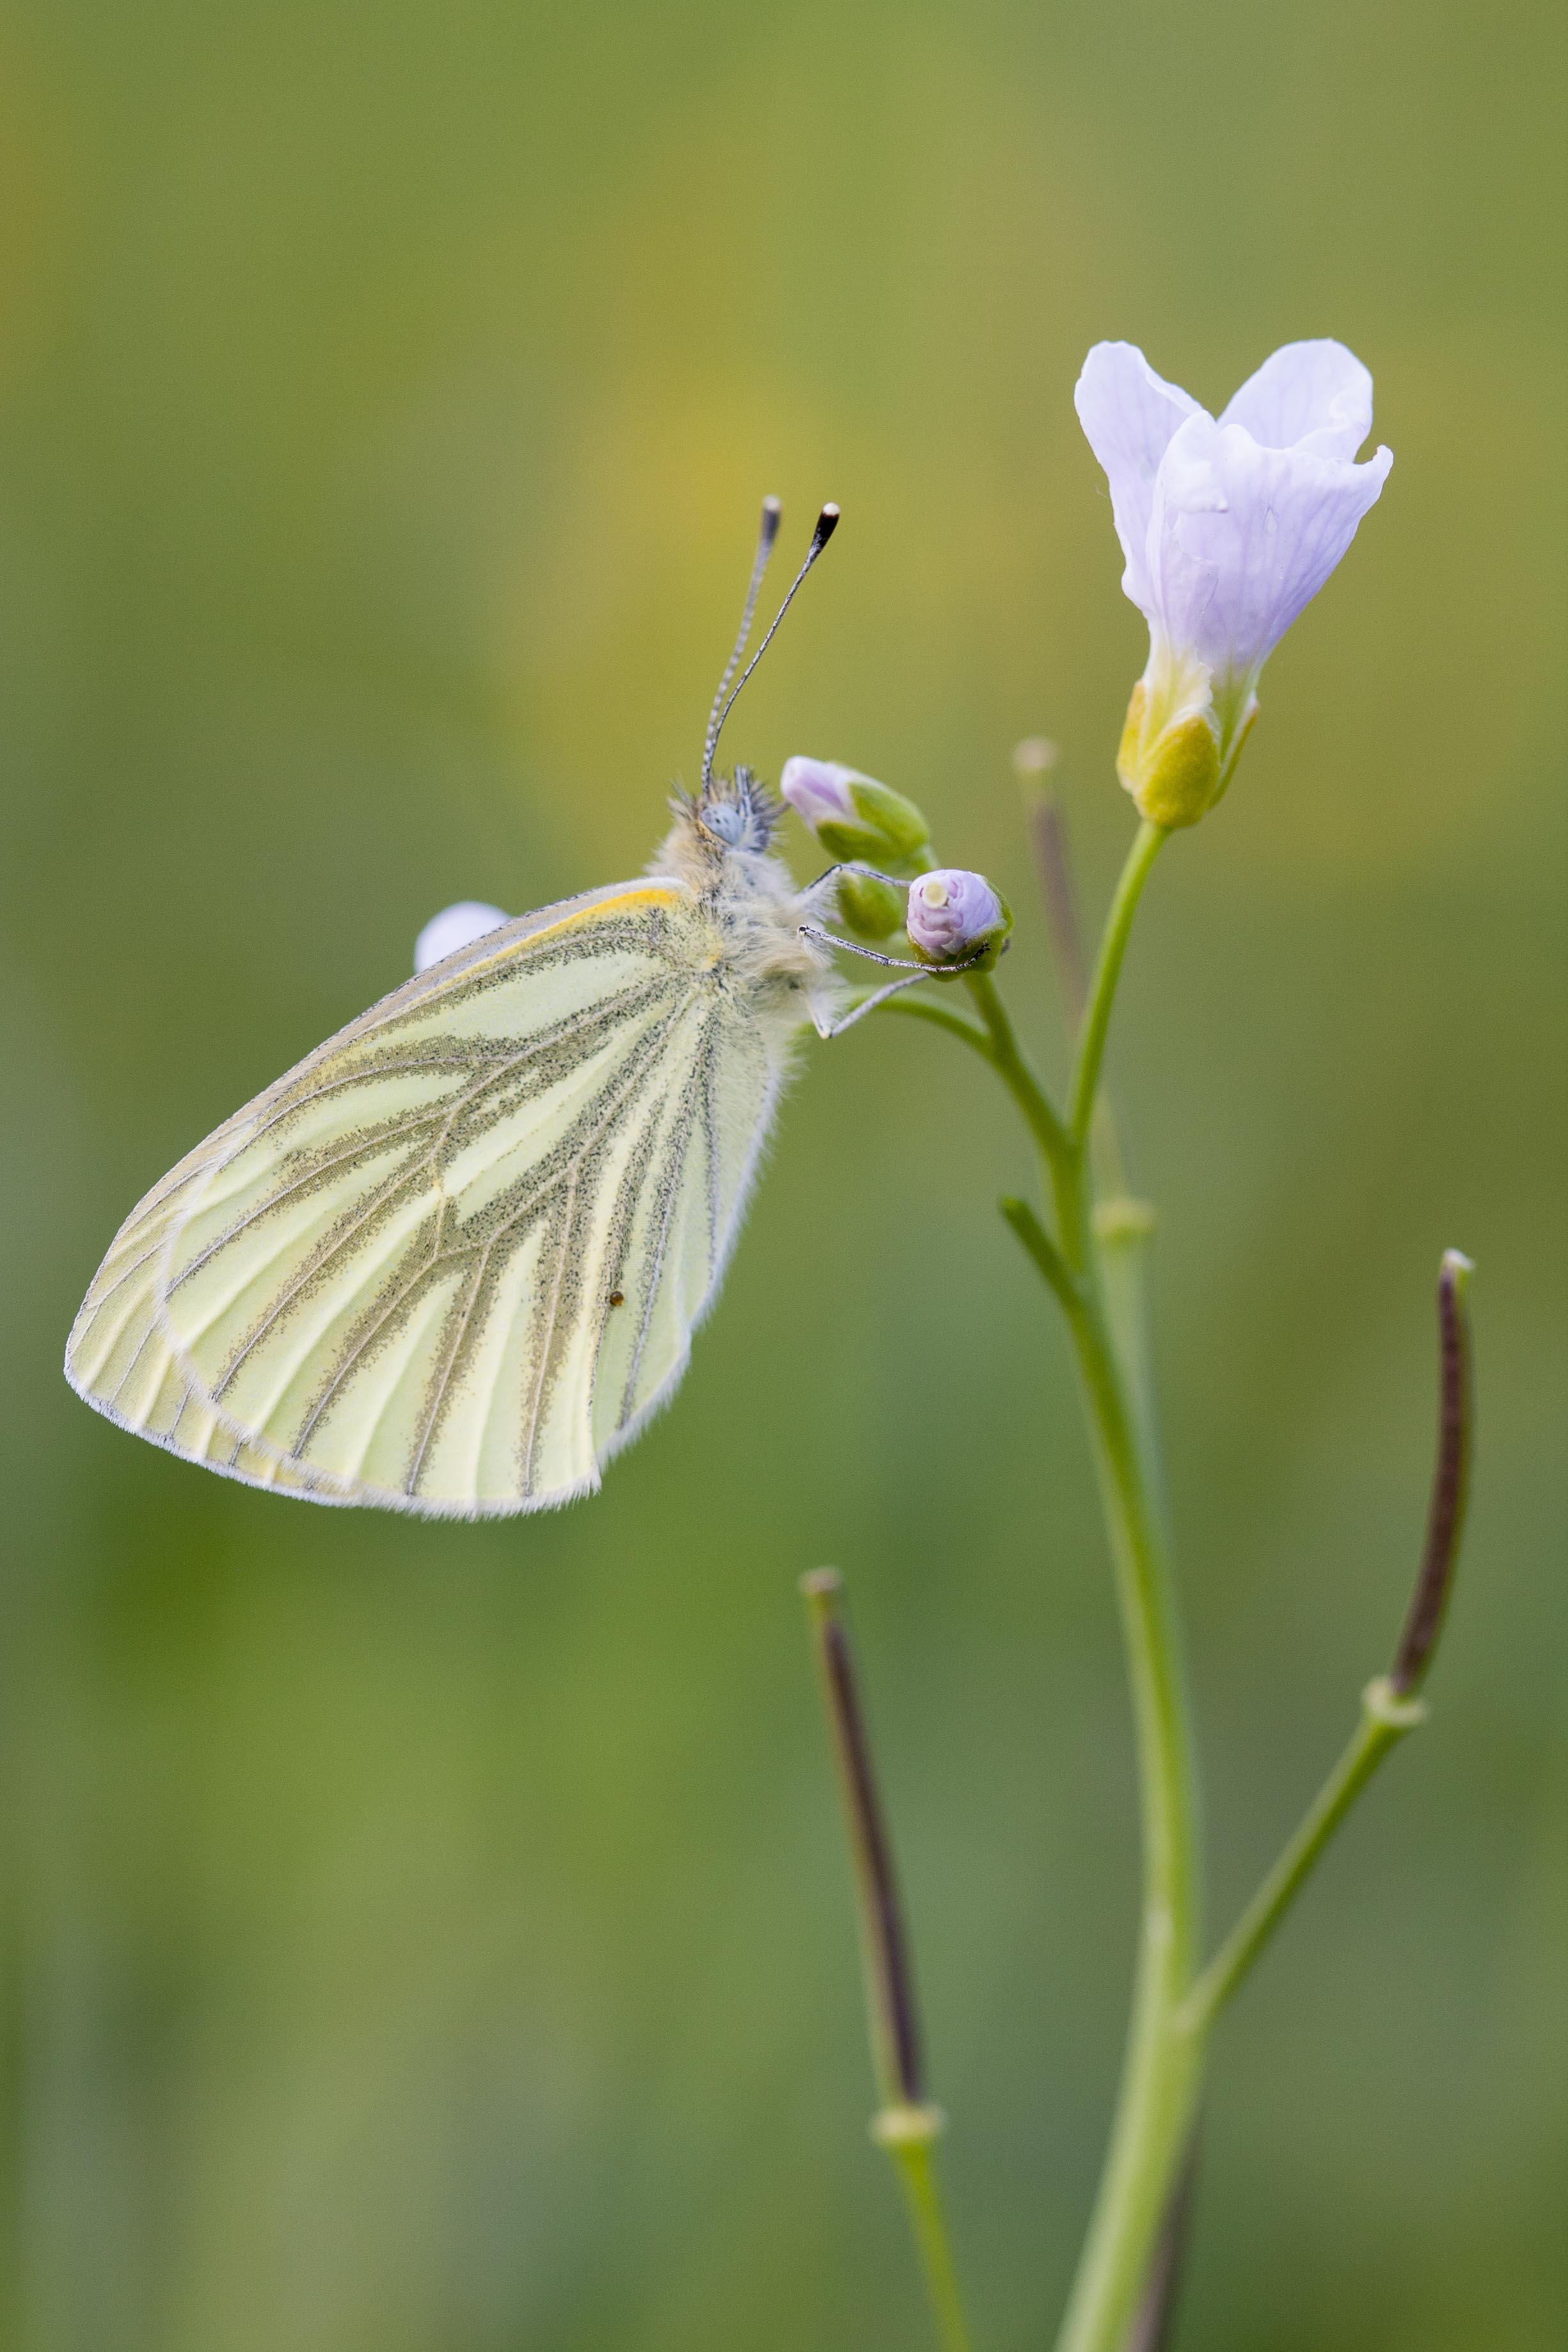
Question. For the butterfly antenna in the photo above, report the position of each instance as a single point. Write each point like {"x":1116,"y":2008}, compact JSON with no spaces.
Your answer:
{"x":771,"y":512}
{"x":826,"y":523}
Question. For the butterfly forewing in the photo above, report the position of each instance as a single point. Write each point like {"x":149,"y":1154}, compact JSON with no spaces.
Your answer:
{"x":455,"y":1259}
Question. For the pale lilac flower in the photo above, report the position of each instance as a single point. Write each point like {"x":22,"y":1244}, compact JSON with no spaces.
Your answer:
{"x":953,"y":914}
{"x":456,"y":927}
{"x":1229,"y":529}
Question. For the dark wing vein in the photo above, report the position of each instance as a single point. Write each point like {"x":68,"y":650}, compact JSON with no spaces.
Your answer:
{"x":547,"y":1330}
{"x":409,"y":1125}
{"x":534,"y":1200}
{"x":438,"y":1394}
{"x":671,"y":1189}
{"x":386,"y":1192}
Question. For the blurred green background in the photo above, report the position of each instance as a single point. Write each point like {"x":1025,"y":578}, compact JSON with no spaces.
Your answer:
{"x":430,"y":1938}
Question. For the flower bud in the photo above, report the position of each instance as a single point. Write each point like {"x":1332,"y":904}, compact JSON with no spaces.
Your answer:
{"x":852,"y":815}
{"x":868,"y":906}
{"x":1170,"y":760}
{"x":955,"y":916}
{"x":456,"y":927}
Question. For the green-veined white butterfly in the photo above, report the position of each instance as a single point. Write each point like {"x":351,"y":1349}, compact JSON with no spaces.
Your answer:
{"x":453,"y":1261}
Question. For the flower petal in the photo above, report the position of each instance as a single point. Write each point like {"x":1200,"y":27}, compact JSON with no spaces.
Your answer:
{"x":1314,"y":395}
{"x":1244,"y":537}
{"x":1129,"y":415}
{"x":456,"y":927}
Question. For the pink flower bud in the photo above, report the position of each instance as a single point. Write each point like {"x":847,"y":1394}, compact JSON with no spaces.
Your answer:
{"x":818,"y":791}
{"x":953,"y":914}
{"x":852,"y":816}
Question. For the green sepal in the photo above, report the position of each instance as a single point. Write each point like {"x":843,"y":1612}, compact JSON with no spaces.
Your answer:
{"x":892,"y":831}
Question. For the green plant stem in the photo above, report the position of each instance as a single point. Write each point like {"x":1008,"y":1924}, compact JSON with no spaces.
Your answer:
{"x":1386,"y":1719}
{"x":1085,"y":1085}
{"x":1016,"y":1071}
{"x":1093,"y":1267}
{"x":1124,"y":1230}
{"x":997,"y":1043}
{"x":915,"y":2162}
{"x":1150,"y":2329}
{"x":1059,"y":898}
{"x":1162,"y":2065}
{"x":940,"y":1016}
{"x":1043,"y":1251}
{"x":1390,"y":1706}
{"x":1161,"y":2069}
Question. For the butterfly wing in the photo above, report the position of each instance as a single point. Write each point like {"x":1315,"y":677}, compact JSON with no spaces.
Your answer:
{"x":453,"y":1261}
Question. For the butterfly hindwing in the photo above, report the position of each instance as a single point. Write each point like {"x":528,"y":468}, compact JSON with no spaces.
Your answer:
{"x":452,"y":1260}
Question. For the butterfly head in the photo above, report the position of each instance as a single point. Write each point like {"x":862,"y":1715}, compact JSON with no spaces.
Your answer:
{"x":738,"y":810}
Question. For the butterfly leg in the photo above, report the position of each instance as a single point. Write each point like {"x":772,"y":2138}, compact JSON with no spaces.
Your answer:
{"x":812,"y":895}
{"x":914,"y":973}
{"x":893,"y":963}
{"x":851,"y":947}
{"x":831,"y":1028}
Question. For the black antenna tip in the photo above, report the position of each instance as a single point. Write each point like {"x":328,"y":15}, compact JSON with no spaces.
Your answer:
{"x":826,"y":523}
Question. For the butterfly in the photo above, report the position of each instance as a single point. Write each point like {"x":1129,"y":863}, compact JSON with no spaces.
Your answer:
{"x":453,"y":1261}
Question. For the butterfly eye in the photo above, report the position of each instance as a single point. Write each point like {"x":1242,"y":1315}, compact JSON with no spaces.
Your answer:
{"x":617,"y":1298}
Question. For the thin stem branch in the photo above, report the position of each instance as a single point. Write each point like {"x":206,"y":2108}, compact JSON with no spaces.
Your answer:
{"x":907,"y":2125}
{"x":916,"y":2164}
{"x":1389,"y":1707}
{"x":1017,"y":1074}
{"x":941,"y":1016}
{"x":1047,"y":1257}
{"x":1385,"y":1717}
{"x":1146,"y":846}
{"x":998,"y":1044}
{"x":1123,"y":1225}
{"x":1052,"y":849}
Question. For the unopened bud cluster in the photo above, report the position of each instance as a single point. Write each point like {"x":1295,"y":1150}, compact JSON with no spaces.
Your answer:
{"x":860,"y":821}
{"x":952,"y":916}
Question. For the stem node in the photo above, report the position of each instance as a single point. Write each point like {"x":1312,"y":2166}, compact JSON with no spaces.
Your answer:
{"x":907,"y":2127}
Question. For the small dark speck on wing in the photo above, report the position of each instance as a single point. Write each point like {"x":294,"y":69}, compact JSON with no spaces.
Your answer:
{"x":617,"y":1298}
